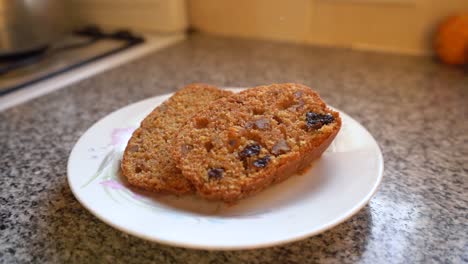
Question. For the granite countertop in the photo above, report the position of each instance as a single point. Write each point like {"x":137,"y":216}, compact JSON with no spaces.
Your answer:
{"x":415,"y":108}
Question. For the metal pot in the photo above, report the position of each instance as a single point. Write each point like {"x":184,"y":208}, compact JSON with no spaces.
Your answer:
{"x":29,"y":26}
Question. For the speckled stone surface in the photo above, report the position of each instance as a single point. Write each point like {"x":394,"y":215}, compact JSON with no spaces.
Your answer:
{"x":415,"y":108}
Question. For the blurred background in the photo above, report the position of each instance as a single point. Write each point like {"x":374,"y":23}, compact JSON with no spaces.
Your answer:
{"x":42,"y":38}
{"x":401,"y":26}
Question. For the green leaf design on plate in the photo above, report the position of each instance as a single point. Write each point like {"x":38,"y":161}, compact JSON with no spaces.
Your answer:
{"x":104,"y":164}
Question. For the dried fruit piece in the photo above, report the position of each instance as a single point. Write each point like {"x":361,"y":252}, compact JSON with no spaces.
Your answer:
{"x":262,"y":162}
{"x":277,"y":119}
{"x":232,"y":142}
{"x":298,"y":94}
{"x":262,"y":123}
{"x":215,"y":173}
{"x":316,"y":121}
{"x":250,"y":150}
{"x":133,"y":148}
{"x":185,"y":149}
{"x":209,"y":146}
{"x":297,"y":106}
{"x":280,"y":147}
{"x":258,"y":111}
{"x":202,"y":123}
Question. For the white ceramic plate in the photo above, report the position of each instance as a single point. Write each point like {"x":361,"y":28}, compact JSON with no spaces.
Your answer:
{"x":336,"y":187}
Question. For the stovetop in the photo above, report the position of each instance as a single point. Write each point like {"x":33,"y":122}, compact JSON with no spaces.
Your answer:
{"x":72,"y":51}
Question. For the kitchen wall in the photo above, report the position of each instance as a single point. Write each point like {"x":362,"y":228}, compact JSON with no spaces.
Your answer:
{"x":141,"y":15}
{"x":403,"y":26}
{"x":2,"y":16}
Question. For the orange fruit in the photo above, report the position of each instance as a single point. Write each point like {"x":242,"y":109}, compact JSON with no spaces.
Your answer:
{"x":451,"y":42}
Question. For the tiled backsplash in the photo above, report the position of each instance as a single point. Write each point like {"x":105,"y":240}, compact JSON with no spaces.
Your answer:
{"x":403,"y":26}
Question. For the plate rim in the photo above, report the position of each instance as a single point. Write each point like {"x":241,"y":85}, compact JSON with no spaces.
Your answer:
{"x":277,"y":242}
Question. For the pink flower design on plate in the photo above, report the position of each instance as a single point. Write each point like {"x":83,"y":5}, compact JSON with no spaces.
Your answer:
{"x":121,"y":135}
{"x":137,"y":196}
{"x":113,"y":184}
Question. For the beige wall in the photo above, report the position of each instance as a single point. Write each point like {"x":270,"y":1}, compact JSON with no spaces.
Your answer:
{"x":140,"y":15}
{"x":404,"y":26}
{"x":283,"y":19}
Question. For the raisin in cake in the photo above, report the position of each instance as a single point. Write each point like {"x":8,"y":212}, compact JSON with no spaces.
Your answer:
{"x":241,"y":144}
{"x":147,"y":161}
